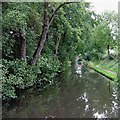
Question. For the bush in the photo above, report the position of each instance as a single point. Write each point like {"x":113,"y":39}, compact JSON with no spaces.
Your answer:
{"x":18,"y":74}
{"x":49,"y":69}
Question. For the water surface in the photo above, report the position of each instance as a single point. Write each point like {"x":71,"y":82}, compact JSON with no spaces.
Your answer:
{"x":85,"y":95}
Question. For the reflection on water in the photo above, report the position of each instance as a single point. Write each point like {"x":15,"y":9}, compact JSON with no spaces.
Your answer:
{"x":91,"y":96}
{"x":79,"y":71}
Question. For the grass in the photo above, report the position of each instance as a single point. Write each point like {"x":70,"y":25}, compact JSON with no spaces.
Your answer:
{"x":106,"y":68}
{"x":111,"y":65}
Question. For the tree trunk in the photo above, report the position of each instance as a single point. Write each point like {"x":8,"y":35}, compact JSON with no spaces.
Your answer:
{"x":22,"y":46}
{"x":43,"y":36}
{"x":108,"y":47}
{"x":57,"y":44}
{"x":46,"y":26}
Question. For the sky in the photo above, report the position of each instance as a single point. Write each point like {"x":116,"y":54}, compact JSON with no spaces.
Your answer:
{"x":103,"y":5}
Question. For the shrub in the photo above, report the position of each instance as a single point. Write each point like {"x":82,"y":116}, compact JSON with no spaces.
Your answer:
{"x":49,"y":68}
{"x":18,"y":74}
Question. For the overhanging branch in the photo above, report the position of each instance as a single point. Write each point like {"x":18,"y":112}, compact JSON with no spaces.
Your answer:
{"x":53,"y":14}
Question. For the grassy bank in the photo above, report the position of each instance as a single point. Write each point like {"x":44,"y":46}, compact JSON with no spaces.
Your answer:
{"x":107,"y":68}
{"x":111,"y":65}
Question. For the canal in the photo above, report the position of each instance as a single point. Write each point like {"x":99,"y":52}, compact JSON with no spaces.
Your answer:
{"x":84,"y":95}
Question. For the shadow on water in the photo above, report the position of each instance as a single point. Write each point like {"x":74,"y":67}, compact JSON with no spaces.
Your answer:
{"x":87,"y":96}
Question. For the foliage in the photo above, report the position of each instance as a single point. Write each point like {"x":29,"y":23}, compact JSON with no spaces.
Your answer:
{"x":76,"y":29}
{"x":49,"y":68}
{"x":112,"y":20}
{"x":18,"y":74}
{"x":74,"y":25}
{"x":28,"y":17}
{"x":24,"y":16}
{"x":102,"y":37}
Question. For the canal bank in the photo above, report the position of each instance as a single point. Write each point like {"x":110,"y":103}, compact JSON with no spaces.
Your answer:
{"x":109,"y":73}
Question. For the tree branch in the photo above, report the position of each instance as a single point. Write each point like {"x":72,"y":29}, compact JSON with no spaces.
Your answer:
{"x":53,"y":14}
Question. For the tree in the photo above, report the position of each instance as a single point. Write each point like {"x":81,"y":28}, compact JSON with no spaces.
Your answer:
{"x":64,"y":34}
{"x":43,"y":36}
{"x":74,"y":24}
{"x":15,"y":23}
{"x":24,"y":24}
{"x":112,"y":20}
{"x":105,"y":34}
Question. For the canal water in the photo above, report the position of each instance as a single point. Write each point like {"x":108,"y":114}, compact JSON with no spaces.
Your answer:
{"x":84,"y":95}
